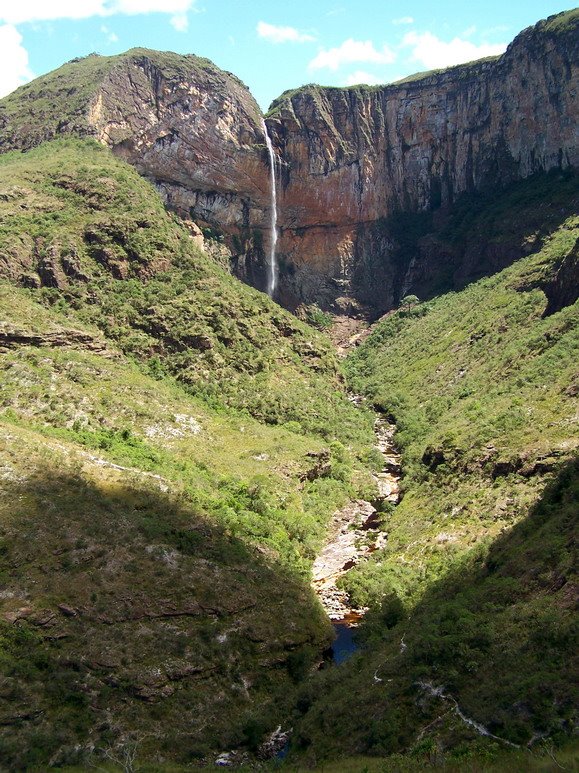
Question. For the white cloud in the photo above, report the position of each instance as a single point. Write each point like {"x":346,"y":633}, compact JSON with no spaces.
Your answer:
{"x":112,"y":37}
{"x":434,"y":53}
{"x":282,"y":34}
{"x":403,"y":20}
{"x":362,"y":77}
{"x":46,"y":10}
{"x":180,"y":22}
{"x":40,"y":10}
{"x":14,"y":69}
{"x":351,"y":51}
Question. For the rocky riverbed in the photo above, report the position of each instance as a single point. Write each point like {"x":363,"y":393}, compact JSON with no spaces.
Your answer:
{"x":354,"y":531}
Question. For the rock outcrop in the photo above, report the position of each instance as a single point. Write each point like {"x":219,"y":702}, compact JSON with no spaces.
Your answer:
{"x":354,"y":157}
{"x":11,"y":338}
{"x":563,"y":289}
{"x":350,"y":159}
{"x":192,"y":129}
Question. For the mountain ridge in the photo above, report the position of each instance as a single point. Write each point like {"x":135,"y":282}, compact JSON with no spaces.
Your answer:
{"x":416,"y":147}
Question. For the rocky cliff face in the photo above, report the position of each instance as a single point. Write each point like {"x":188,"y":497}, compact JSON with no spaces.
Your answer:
{"x":198,"y":135}
{"x":351,"y":160}
{"x":191,"y":128}
{"x":354,"y":157}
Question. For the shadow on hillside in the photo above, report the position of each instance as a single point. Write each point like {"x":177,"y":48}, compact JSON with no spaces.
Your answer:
{"x":127,"y":613}
{"x":499,"y":633}
{"x":496,"y":634}
{"x":481,"y":234}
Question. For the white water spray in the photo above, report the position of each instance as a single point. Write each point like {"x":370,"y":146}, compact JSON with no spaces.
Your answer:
{"x":272,"y":264}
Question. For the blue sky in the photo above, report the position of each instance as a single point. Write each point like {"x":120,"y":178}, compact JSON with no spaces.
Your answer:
{"x":271,"y":46}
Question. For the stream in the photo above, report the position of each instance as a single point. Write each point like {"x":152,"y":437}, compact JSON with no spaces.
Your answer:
{"x":353,"y":535}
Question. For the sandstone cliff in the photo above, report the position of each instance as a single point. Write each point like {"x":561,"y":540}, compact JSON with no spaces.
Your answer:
{"x":351,"y":160}
{"x":353,"y":157}
{"x":191,"y":128}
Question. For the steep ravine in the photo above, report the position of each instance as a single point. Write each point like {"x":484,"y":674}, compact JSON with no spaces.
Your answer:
{"x":354,"y":532}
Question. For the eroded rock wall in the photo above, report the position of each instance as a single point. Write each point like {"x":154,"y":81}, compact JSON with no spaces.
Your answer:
{"x":198,"y":135}
{"x":353,"y":157}
{"x":350,"y":160}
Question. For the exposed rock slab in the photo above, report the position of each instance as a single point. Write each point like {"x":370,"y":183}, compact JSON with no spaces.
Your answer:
{"x":11,"y":338}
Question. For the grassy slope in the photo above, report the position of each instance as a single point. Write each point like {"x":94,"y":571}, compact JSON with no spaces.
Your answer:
{"x":478,"y":572}
{"x":482,"y":387}
{"x":480,"y":761}
{"x":72,"y":214}
{"x":68,"y":211}
{"x":137,"y":607}
{"x":157,"y":521}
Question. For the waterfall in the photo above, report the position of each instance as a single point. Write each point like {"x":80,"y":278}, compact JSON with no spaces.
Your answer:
{"x":272,"y":265}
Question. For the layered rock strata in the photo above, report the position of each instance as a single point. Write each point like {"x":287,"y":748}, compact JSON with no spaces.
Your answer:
{"x":192,"y":129}
{"x":351,"y":160}
{"x":354,"y":157}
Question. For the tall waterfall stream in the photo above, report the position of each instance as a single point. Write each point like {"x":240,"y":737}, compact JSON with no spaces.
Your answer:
{"x":272,"y":264}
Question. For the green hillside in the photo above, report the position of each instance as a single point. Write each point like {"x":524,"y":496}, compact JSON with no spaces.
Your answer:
{"x":483,"y":388}
{"x":475,"y":591}
{"x":91,"y":240}
{"x":173,"y":444}
{"x":59,"y":102}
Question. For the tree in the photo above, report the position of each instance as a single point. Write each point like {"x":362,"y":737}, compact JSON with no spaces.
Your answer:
{"x":124,"y":754}
{"x":408,"y":302}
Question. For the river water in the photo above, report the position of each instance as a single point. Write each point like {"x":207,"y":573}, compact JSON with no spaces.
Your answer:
{"x":344,"y":645}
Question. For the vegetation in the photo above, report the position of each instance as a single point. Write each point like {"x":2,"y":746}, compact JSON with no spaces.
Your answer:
{"x":561,"y":22}
{"x":408,"y":302}
{"x":481,"y":385}
{"x":161,"y":428}
{"x":315,"y":317}
{"x":147,"y":599}
{"x":173,"y":445}
{"x":98,"y":236}
{"x":473,"y":594}
{"x":477,"y":758}
{"x":459,"y":71}
{"x":60,"y":101}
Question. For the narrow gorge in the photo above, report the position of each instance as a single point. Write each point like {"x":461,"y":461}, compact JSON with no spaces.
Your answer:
{"x":288,"y":417}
